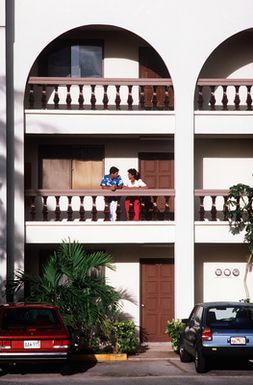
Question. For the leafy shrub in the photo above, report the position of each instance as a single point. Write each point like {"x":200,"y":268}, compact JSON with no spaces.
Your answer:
{"x":173,"y":330}
{"x":125,"y":337}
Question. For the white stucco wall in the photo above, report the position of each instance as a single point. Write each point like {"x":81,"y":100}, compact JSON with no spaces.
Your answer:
{"x":222,"y":163}
{"x":229,"y":285}
{"x":127,"y":277}
{"x":194,"y":30}
{"x":209,"y":257}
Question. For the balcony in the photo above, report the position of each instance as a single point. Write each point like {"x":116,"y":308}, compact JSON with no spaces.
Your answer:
{"x":93,"y":205}
{"x":84,"y":214}
{"x":100,"y":94}
{"x":134,"y":94}
{"x":223,"y":106}
{"x":224,"y":94}
{"x":138,"y":106}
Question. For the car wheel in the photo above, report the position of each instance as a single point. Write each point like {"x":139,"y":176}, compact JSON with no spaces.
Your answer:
{"x":3,"y":370}
{"x":200,"y":362}
{"x":183,"y":354}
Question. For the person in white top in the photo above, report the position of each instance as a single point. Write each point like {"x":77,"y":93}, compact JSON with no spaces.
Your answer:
{"x":134,"y":181}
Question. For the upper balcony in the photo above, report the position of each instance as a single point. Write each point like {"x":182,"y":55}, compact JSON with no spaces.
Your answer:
{"x":86,"y":72}
{"x":56,"y":104}
{"x":224,"y":106}
{"x":138,"y":106}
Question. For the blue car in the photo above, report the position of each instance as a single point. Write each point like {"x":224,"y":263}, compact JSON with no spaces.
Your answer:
{"x":217,"y":330}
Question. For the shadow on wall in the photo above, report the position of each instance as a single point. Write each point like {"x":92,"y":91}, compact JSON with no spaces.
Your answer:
{"x":231,"y":55}
{"x":9,"y":236}
{"x":233,"y":58}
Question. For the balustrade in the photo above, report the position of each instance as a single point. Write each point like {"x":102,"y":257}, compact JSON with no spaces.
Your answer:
{"x":93,"y":205}
{"x":224,"y":94}
{"x":99,"y":93}
{"x":130,"y":94}
{"x":210,"y":205}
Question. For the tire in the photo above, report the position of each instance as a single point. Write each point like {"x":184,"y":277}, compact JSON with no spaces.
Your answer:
{"x":201,"y":365}
{"x":4,"y":370}
{"x":183,"y":354}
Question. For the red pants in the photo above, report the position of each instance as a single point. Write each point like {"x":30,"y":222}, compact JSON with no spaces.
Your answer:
{"x":137,"y":208}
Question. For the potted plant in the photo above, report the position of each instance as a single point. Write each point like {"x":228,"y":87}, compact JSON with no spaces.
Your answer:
{"x":173,"y":330}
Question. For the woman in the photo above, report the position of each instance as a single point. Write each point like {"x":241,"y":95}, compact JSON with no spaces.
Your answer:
{"x":134,"y":182}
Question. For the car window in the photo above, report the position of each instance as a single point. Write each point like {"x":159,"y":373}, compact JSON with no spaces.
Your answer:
{"x":196,"y":315}
{"x":25,"y":317}
{"x":229,"y":316}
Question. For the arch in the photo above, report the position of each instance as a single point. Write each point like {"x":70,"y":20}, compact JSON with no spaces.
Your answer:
{"x":123,"y":57}
{"x":234,"y":52}
{"x":232,"y":59}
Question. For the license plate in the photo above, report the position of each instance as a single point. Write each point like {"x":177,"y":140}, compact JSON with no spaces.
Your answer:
{"x":32,"y":344}
{"x":238,"y":341}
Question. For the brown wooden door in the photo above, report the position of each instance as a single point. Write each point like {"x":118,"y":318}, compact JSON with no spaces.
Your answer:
{"x":157,"y":169}
{"x":157,"y":298}
{"x":152,"y":66}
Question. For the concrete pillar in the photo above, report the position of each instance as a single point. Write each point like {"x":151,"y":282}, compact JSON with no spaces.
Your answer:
{"x":184,"y":205}
{"x":3,"y":201}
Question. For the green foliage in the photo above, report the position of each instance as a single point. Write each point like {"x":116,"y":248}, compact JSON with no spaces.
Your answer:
{"x":239,"y":209}
{"x":125,"y":337}
{"x":173,"y":330}
{"x":240,"y":213}
{"x":72,"y":279}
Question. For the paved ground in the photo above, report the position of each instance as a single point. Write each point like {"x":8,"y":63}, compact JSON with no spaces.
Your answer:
{"x":155,"y":351}
{"x":157,"y":365}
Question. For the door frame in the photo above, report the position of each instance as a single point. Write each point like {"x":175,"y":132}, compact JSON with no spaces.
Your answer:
{"x":169,"y":260}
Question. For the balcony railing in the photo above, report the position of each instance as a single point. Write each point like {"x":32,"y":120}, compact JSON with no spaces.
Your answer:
{"x":224,"y":94}
{"x":134,"y":94}
{"x":99,"y":94}
{"x":210,"y":205}
{"x":93,"y":205}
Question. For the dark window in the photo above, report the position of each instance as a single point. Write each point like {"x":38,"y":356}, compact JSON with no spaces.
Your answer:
{"x":21,"y":318}
{"x":197,"y":314}
{"x":72,"y":59}
{"x":230,"y":316}
{"x":86,"y":61}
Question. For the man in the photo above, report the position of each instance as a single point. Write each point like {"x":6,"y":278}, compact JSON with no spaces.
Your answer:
{"x":112,"y":182}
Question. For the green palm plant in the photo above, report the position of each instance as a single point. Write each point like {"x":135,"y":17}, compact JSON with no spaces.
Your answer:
{"x":239,"y":211}
{"x":72,"y":280}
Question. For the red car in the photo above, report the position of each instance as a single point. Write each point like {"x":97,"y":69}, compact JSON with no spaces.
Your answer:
{"x":32,"y":332}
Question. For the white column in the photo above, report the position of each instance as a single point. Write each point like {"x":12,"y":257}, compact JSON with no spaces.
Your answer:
{"x":3,"y":203}
{"x":15,"y":154}
{"x":184,"y":208}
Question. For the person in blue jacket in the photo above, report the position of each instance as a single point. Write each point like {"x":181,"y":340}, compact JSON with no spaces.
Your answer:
{"x":112,"y":181}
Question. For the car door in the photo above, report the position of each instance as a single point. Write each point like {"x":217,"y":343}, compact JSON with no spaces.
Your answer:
{"x":193,"y":329}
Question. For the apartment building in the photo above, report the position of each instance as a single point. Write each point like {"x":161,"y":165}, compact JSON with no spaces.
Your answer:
{"x":164,"y":87}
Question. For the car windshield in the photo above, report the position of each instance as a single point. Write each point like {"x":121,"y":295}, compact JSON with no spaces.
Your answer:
{"x":25,"y":317}
{"x":230,"y":316}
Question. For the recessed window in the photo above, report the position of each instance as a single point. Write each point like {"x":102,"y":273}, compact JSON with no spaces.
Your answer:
{"x":86,"y":61}
{"x":72,"y":59}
